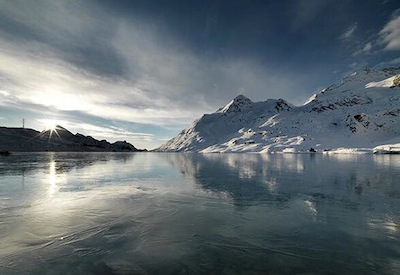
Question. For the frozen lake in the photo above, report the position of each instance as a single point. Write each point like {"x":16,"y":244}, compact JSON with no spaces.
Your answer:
{"x":102,"y":213}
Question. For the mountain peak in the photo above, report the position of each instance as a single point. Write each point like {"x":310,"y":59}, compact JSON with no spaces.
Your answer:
{"x":241,"y":98}
{"x":59,"y":127}
{"x":237,"y":104}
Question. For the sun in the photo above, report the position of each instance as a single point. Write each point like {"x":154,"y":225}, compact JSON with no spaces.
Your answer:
{"x":50,"y":124}
{"x":51,"y":127}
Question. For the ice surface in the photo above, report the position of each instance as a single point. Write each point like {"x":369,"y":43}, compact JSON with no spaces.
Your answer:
{"x":175,"y":213}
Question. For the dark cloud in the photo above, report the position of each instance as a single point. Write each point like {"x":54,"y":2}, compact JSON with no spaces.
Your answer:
{"x":78,"y":32}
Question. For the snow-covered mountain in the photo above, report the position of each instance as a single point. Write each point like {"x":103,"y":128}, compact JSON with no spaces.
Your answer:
{"x":361,"y":111}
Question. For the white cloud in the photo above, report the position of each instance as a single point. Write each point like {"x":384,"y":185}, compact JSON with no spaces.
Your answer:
{"x":349,"y":32}
{"x":390,"y":34}
{"x":367,"y":47}
{"x":387,"y":39}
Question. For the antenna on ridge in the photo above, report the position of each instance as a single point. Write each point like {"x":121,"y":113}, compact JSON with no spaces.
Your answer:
{"x":23,"y":123}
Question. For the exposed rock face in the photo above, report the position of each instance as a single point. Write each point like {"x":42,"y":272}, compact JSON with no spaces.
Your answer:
{"x":396,"y":82}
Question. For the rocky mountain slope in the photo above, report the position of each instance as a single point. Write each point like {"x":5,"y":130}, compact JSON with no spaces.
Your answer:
{"x":60,"y":139}
{"x":361,"y":111}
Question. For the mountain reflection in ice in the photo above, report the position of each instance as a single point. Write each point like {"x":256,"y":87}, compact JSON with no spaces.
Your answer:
{"x":102,"y":213}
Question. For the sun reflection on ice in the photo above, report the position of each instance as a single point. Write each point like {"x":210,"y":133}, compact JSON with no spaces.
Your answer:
{"x":52,"y":178}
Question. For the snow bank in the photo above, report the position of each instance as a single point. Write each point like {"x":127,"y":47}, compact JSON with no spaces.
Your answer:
{"x":387,"y":149}
{"x":352,"y":151}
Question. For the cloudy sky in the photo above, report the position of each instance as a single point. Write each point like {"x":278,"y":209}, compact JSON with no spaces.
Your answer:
{"x":143,"y":70}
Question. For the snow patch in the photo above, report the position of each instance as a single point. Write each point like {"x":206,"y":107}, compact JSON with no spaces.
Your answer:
{"x":289,"y":150}
{"x":386,"y":83}
{"x":387,"y":149}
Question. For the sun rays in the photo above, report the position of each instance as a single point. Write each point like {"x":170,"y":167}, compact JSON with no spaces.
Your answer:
{"x":51,"y":127}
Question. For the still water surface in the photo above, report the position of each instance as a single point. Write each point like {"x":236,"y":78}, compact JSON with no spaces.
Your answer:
{"x":150,"y":213}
